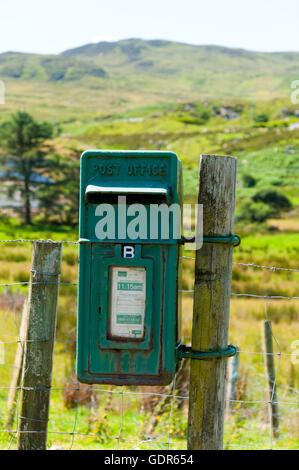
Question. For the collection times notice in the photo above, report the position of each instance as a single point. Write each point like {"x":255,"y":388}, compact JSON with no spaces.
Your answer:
{"x":127,"y":301}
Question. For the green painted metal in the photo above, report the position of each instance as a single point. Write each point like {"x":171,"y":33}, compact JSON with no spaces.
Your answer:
{"x":233,"y":239}
{"x":187,"y":352}
{"x":143,"y":177}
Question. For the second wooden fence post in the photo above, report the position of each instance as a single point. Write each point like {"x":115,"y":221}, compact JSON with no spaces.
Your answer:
{"x":213,"y":268}
{"x":18,"y":368}
{"x":39,"y":346}
{"x":232,"y":378}
{"x":270,"y":371}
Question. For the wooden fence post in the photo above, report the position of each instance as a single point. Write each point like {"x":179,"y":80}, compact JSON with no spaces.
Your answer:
{"x":213,"y":267}
{"x":39,"y":346}
{"x":18,"y":367}
{"x":270,"y":371}
{"x":231,"y":392}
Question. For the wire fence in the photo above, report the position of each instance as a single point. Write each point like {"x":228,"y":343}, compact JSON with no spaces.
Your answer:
{"x":130,"y":417}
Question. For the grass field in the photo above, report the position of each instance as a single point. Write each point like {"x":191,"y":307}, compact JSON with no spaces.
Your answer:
{"x":109,"y":410}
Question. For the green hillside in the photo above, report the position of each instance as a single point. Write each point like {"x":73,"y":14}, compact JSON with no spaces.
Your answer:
{"x":114,"y":76}
{"x":163,"y":95}
{"x":208,"y":70}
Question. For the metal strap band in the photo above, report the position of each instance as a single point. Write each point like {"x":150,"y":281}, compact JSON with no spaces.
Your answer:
{"x":187,"y":352}
{"x":233,"y":239}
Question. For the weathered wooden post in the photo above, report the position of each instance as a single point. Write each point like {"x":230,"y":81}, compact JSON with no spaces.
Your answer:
{"x":18,"y":367}
{"x":231,"y":392}
{"x":39,"y":346}
{"x":213,"y":268}
{"x":270,"y":372}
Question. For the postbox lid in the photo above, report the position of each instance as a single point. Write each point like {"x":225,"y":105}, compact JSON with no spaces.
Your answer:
{"x":93,"y":188}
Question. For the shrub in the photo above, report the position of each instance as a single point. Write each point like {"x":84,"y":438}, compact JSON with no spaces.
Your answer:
{"x":274,"y":198}
{"x":254,"y":212}
{"x":205,"y":115}
{"x":261,"y":118}
{"x":248,"y":180}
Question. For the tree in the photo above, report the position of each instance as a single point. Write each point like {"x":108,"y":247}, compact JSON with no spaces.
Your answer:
{"x":24,"y":155}
{"x":59,"y":203}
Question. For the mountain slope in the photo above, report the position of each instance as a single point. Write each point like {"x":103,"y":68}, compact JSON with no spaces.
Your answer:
{"x":134,"y":71}
{"x":206,"y":69}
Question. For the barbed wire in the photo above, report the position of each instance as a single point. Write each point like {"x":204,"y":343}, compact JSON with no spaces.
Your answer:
{"x":26,"y":283}
{"x":29,"y":240}
{"x":163,"y":395}
{"x":252,"y":265}
{"x":257,"y":296}
{"x":174,"y":397}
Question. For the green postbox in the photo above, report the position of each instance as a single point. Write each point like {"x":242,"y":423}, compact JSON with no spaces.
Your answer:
{"x":129,"y":314}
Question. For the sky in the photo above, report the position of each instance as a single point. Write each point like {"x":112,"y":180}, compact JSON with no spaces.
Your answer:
{"x":52,"y":26}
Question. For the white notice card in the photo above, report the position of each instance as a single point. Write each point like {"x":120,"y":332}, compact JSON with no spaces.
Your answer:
{"x":127,"y":301}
